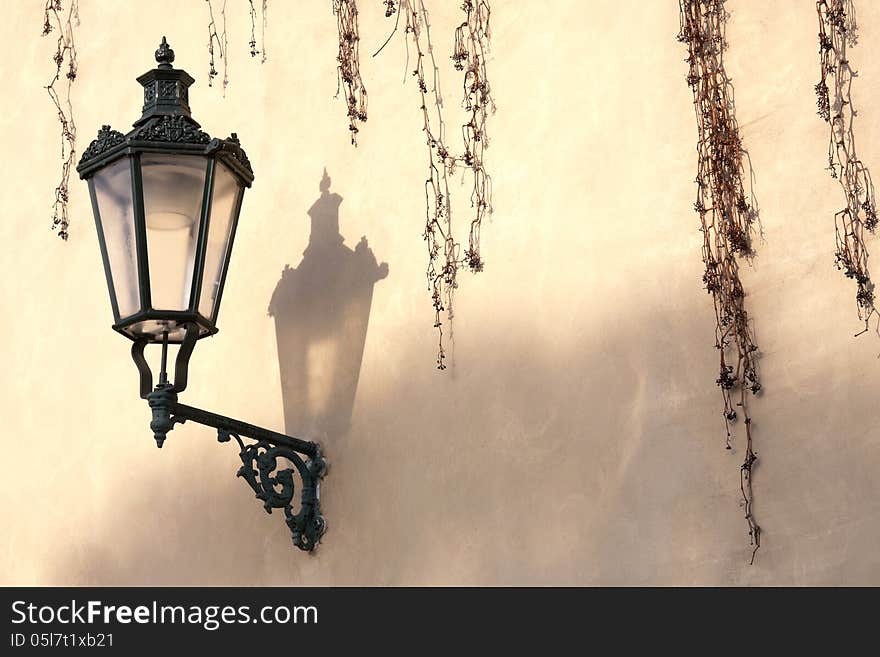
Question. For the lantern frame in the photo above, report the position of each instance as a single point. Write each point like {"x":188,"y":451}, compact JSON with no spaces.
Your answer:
{"x":166,"y":127}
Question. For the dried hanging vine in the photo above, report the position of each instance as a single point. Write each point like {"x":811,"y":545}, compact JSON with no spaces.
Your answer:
{"x":348,"y":70}
{"x":438,"y":215}
{"x":837,"y":29}
{"x":252,"y":44}
{"x":727,"y":220}
{"x":220,"y":40}
{"x":471,"y":46}
{"x":472,"y":39}
{"x":65,"y":51}
{"x":264,"y":22}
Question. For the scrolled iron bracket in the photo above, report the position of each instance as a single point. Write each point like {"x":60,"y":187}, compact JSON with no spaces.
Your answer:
{"x":272,"y":483}
{"x":276,"y":491}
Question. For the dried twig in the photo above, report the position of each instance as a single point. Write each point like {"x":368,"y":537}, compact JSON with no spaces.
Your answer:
{"x":65,"y":50}
{"x":221,"y":43}
{"x":469,"y":55}
{"x":265,"y":21}
{"x":837,"y":29}
{"x":252,"y":44}
{"x":438,"y":213}
{"x":348,"y":69}
{"x":728,"y":217}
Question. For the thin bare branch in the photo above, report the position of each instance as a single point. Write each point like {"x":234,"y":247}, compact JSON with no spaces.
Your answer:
{"x":728,"y":217}
{"x":837,"y":29}
{"x":65,"y":51}
{"x":348,"y":68}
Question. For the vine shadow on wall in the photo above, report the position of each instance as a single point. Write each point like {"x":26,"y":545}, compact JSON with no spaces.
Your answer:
{"x":321,"y":310}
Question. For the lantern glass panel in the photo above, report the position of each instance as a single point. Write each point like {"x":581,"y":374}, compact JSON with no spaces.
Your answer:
{"x":111,"y":190}
{"x":173,"y":189}
{"x":224,"y":208}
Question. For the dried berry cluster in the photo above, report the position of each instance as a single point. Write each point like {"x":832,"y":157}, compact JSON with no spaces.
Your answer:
{"x":220,"y":40}
{"x":65,"y":51}
{"x":727,"y":221}
{"x":348,"y":70}
{"x":837,"y":29}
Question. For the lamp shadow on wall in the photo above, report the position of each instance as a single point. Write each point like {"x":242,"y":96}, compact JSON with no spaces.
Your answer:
{"x":321,"y":310}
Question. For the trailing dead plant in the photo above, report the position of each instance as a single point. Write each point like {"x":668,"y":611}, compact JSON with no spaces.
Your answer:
{"x":264,"y":23}
{"x":348,"y":69}
{"x":728,"y":217}
{"x":66,"y":64}
{"x":443,"y":250}
{"x":252,"y":44}
{"x":470,"y":50}
{"x":837,"y":30}
{"x":218,"y":40}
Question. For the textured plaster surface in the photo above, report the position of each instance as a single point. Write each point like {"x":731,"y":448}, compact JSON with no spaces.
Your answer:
{"x":577,"y":439}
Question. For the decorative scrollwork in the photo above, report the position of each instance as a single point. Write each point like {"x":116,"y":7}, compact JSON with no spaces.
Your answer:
{"x":168,"y":88}
{"x":178,"y":129}
{"x":272,"y":483}
{"x":275,"y":487}
{"x":236,"y":152}
{"x":106,"y":139}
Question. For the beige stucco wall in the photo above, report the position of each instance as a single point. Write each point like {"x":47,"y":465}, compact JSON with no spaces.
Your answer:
{"x":578,"y":438}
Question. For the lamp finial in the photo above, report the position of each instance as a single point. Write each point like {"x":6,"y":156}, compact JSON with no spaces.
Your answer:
{"x":164,"y":54}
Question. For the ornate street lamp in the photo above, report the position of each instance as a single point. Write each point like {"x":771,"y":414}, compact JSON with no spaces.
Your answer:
{"x":166,"y":199}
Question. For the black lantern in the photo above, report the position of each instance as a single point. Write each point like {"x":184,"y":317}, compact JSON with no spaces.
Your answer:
{"x":166,"y":199}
